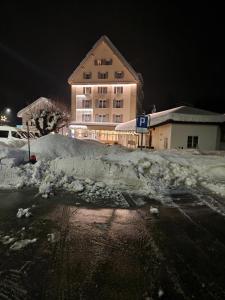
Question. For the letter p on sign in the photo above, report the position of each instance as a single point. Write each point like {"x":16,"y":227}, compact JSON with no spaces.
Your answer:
{"x":142,"y":122}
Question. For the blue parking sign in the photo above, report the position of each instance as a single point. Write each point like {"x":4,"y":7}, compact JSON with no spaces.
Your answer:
{"x":142,"y":123}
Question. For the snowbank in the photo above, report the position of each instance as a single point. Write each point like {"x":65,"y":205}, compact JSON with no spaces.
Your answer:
{"x":11,"y":155}
{"x":55,"y":145}
{"x":94,"y":168}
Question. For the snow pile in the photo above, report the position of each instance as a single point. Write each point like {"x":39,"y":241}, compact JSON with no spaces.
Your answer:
{"x":23,"y":212}
{"x":95,"y":170}
{"x":7,"y":240}
{"x":154,"y":210}
{"x":55,"y":145}
{"x":18,"y":245}
{"x":14,"y":143}
{"x":11,"y":156}
{"x":53,"y":237}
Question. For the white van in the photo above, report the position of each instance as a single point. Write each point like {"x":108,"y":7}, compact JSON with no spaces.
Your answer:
{"x":12,"y":136}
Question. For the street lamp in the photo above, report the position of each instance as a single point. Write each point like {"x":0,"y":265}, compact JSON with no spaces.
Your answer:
{"x":4,"y":114}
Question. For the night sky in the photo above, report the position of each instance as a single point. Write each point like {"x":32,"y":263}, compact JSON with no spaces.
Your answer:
{"x":178,"y":48}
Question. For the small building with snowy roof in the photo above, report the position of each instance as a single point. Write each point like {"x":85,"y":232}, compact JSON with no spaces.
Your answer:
{"x":180,"y":128}
{"x":37,"y":105}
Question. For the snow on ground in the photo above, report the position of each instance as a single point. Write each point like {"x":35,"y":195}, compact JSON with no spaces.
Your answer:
{"x":18,"y":245}
{"x":11,"y":155}
{"x":97,"y":170}
{"x":23,"y":212}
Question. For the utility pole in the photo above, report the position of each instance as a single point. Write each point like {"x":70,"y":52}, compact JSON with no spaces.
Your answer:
{"x":28,"y":139}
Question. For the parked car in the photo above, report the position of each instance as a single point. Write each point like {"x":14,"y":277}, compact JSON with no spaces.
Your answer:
{"x":13,"y":136}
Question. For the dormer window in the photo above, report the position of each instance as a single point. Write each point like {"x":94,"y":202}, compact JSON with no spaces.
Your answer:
{"x":87,"y":75}
{"x":103,"y":61}
{"x":102,"y":75}
{"x":119,"y":74}
{"x":108,"y":61}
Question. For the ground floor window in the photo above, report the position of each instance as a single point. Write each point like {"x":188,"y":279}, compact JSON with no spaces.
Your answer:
{"x":192,"y":141}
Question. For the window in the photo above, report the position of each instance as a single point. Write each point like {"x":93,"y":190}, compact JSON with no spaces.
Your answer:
{"x":102,"y":62}
{"x":24,"y":134}
{"x":108,"y":61}
{"x":222,"y":136}
{"x":86,"y":90}
{"x":86,"y":104}
{"x":4,"y":133}
{"x":118,"y":90}
{"x":102,"y":75}
{"x":102,"y":90}
{"x":192,"y":141}
{"x":15,"y":135}
{"x":101,"y":103}
{"x":118,"y":118}
{"x":117,"y":103}
{"x":119,"y":74}
{"x":98,"y":62}
{"x":87,"y":75}
{"x":101,"y":118}
{"x":86,"y":117}
{"x":165,"y":143}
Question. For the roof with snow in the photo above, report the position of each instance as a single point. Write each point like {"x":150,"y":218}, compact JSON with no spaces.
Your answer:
{"x":180,"y":114}
{"x":106,"y":40}
{"x":36,"y":103}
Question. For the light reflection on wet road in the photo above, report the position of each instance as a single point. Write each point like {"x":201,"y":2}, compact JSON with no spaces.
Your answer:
{"x":112,"y":253}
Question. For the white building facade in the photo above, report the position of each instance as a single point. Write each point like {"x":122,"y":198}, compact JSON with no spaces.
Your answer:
{"x":105,"y":91}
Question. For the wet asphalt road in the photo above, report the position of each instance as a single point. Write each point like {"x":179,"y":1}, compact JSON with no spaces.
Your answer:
{"x":87,"y":252}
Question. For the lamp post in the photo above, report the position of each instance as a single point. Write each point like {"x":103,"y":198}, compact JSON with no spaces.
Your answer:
{"x":4,"y":115}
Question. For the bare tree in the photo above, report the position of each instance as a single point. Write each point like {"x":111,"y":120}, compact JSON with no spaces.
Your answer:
{"x":50,"y":117}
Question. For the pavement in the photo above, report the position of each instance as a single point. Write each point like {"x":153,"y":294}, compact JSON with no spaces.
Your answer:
{"x":86,"y":251}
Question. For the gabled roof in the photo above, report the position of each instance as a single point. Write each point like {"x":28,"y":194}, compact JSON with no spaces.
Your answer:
{"x":31,"y":106}
{"x":105,"y":39}
{"x":177,"y":114}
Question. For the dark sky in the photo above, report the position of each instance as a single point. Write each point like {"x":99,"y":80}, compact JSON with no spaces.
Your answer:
{"x":178,"y":48}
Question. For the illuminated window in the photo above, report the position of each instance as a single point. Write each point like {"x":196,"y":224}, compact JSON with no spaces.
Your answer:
{"x":119,"y":74}
{"x":102,"y":75}
{"x":87,"y":75}
{"x":102,"y":62}
{"x":102,"y":90}
{"x":192,"y":142}
{"x":117,"y":118}
{"x":117,"y":103}
{"x":86,"y":90}
{"x":101,"y":103}
{"x":118,"y":90}
{"x":86,"y":117}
